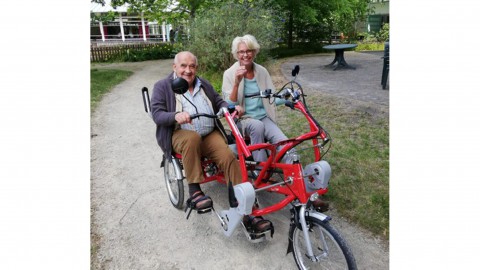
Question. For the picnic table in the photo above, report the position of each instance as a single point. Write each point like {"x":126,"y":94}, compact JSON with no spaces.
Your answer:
{"x":339,"y":58}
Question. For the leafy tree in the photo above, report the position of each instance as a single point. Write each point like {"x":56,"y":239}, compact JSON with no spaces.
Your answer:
{"x":214,"y":29}
{"x":304,"y":20}
{"x":347,"y":14}
{"x":166,"y":10}
{"x":99,"y":2}
{"x":301,"y":20}
{"x":103,"y":17}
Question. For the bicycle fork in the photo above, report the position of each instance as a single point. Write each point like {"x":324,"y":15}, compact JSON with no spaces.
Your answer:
{"x":299,"y":214}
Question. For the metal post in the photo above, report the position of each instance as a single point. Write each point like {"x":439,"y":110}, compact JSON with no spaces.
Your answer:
{"x":163,"y":31}
{"x":386,"y":65}
{"x":101,"y":31}
{"x":169,"y":38}
{"x":143,"y":29}
{"x":121,"y":27}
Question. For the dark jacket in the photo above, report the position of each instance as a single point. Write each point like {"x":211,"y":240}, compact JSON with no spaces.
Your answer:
{"x":163,"y":110}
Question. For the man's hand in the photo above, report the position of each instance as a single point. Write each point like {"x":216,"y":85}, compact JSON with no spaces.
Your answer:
{"x":183,"y":117}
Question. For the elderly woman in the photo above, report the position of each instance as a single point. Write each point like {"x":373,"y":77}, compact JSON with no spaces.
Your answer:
{"x":244,"y":78}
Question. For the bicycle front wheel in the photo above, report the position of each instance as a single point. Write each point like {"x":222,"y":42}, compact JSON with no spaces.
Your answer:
{"x":329,"y":248}
{"x":174,"y":182}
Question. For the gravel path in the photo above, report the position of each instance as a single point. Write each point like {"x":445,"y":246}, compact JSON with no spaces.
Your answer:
{"x":133,"y":222}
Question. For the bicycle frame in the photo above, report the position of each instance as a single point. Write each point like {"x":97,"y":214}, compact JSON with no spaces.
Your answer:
{"x":294,"y":187}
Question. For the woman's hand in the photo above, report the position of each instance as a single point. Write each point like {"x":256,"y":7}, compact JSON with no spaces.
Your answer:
{"x":239,"y":74}
{"x":240,"y":110}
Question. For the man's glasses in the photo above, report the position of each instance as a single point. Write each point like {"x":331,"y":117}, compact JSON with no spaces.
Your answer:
{"x":249,"y":52}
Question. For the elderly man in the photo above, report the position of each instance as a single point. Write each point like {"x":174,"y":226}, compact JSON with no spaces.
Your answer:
{"x":192,"y":138}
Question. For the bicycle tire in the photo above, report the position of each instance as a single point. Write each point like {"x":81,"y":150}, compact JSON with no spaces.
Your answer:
{"x":174,"y":182}
{"x":336,"y":254}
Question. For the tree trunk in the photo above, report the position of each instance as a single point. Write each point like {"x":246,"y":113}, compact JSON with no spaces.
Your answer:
{"x":290,"y":30}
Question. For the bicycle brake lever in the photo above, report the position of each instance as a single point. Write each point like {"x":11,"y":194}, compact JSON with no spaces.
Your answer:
{"x":266,"y":93}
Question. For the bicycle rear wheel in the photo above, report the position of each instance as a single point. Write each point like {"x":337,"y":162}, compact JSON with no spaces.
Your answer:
{"x":174,"y":182}
{"x":328,"y":247}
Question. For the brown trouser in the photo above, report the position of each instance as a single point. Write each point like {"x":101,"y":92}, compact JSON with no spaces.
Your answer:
{"x":192,"y":147}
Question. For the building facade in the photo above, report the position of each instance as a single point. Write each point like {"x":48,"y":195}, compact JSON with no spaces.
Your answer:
{"x":381,"y":15}
{"x":109,"y":26}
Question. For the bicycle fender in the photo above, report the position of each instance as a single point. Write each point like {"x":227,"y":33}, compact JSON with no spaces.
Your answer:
{"x":319,"y":215}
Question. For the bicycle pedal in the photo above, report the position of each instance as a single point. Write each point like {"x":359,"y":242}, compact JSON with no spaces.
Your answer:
{"x":199,"y":211}
{"x":204,"y":211}
{"x":255,"y":237}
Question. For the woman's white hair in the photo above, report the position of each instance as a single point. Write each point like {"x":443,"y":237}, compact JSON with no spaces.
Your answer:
{"x":249,"y":40}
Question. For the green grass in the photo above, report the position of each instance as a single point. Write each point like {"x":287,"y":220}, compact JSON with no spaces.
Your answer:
{"x":102,"y":81}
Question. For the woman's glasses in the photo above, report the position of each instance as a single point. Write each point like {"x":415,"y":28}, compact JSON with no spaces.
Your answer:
{"x":249,"y":52}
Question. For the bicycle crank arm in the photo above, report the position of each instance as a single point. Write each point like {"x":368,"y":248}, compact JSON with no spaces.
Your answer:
{"x":222,"y":220}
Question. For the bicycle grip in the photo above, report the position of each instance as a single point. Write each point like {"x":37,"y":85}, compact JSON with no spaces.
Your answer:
{"x":196,"y":115}
{"x":146,"y":99}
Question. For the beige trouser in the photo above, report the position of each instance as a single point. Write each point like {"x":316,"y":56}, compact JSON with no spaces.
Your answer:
{"x":192,"y":147}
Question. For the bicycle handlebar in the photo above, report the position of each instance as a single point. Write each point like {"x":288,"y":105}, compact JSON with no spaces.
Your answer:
{"x":220,"y":114}
{"x":196,"y":115}
{"x":265,"y":94}
{"x":284,"y":93}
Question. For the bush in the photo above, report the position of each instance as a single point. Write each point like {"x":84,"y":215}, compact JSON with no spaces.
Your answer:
{"x":370,"y":46}
{"x":299,"y":48}
{"x":375,"y":37}
{"x":384,"y":33}
{"x":374,"y":41}
{"x":137,"y":52}
{"x":213,"y":31}
{"x":156,"y":51}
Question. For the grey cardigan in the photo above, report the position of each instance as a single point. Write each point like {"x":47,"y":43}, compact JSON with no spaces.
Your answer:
{"x":163,"y":104}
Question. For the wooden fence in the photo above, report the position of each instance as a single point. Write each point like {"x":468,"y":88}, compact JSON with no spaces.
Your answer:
{"x":103,"y":53}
